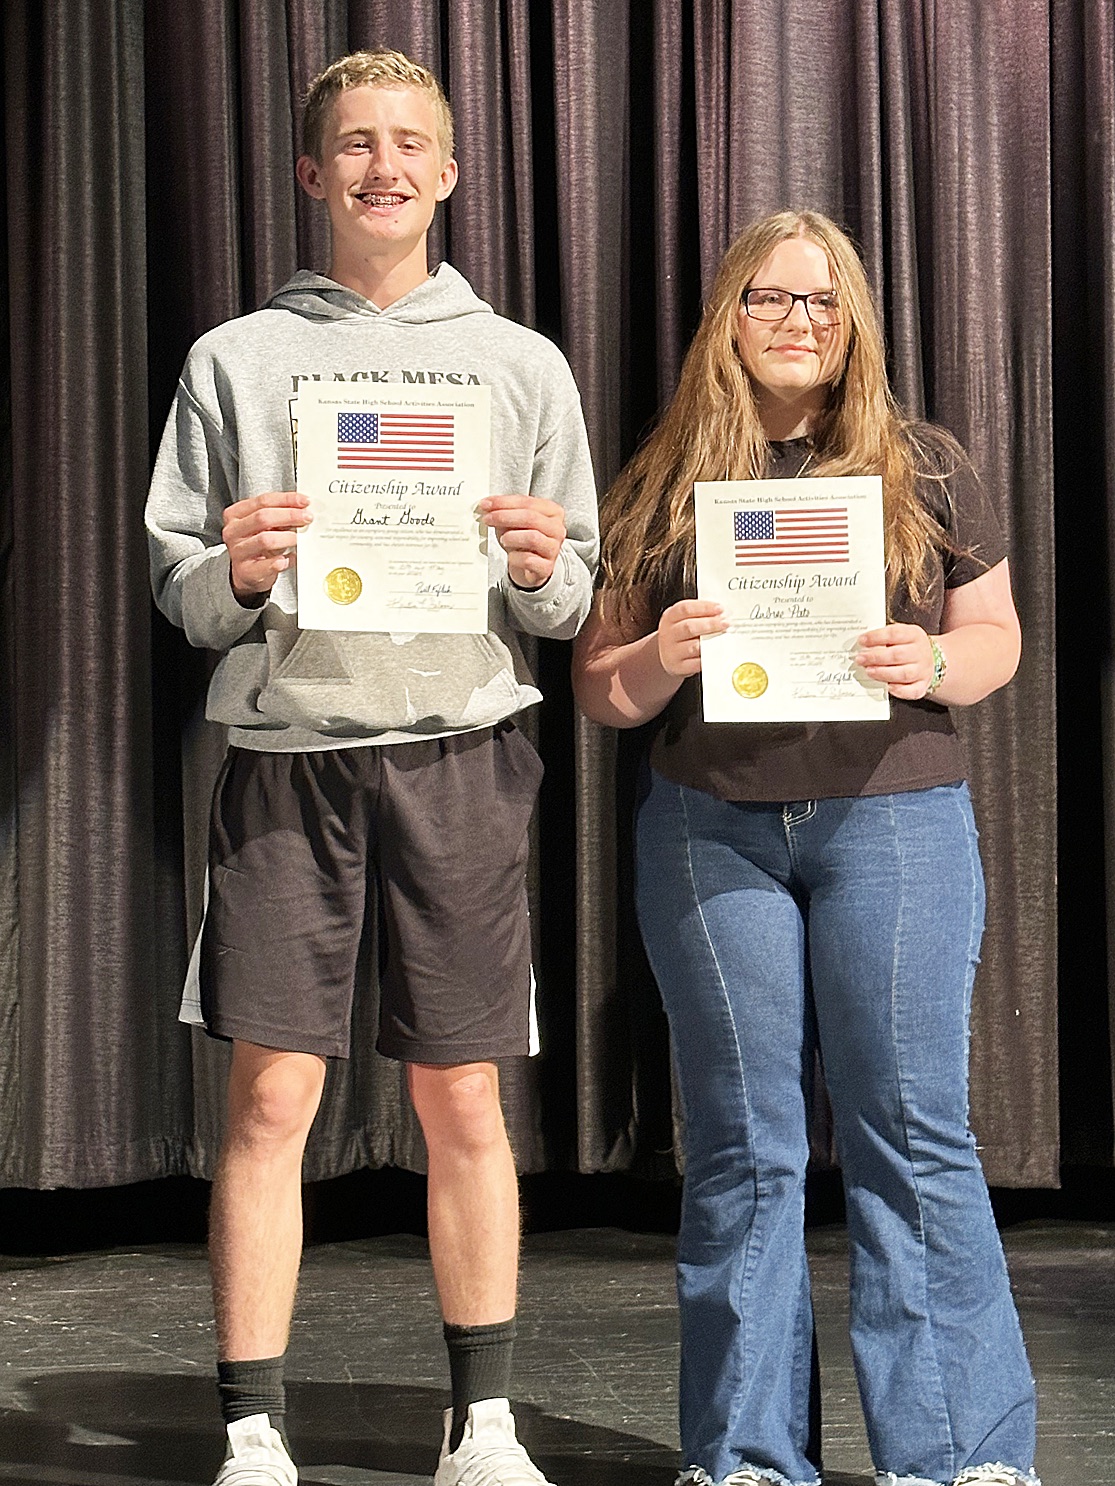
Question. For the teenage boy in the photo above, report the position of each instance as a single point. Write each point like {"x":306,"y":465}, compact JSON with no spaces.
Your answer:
{"x":360,"y":755}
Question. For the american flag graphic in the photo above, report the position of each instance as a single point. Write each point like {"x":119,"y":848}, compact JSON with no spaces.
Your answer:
{"x":791,"y":535}
{"x":395,"y":441}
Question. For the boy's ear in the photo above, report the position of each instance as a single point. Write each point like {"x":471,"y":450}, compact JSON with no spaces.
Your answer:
{"x":308,"y":172}
{"x":447,"y":180}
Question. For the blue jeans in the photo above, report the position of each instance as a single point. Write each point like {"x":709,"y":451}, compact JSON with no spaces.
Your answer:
{"x":865,"y":914}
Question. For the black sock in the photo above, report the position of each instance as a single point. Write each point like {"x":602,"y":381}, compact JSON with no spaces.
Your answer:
{"x":479,"y":1367}
{"x":254,"y":1387}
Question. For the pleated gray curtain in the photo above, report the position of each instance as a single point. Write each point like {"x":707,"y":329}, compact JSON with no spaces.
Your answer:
{"x":608,"y":153}
{"x":988,"y":222}
{"x":94,"y":1078}
{"x":887,"y":117}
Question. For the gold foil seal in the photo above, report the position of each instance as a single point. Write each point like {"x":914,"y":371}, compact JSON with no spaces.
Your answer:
{"x":343,"y":586}
{"x":749,"y":679}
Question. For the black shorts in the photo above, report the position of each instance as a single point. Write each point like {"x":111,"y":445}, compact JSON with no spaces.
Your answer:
{"x":299,"y":844}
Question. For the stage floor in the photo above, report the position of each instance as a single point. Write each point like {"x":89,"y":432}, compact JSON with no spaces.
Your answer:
{"x":105,"y":1362}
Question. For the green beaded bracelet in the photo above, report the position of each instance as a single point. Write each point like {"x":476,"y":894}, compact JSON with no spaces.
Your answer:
{"x":940,"y":667}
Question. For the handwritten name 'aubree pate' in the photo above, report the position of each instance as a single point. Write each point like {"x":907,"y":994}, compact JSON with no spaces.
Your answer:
{"x":787,"y":611}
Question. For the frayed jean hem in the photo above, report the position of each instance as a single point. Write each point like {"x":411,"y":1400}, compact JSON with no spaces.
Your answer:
{"x":974,"y":1474}
{"x":694,"y":1475}
{"x":994,"y":1474}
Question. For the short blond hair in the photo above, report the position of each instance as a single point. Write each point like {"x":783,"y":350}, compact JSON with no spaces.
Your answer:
{"x":380,"y":69}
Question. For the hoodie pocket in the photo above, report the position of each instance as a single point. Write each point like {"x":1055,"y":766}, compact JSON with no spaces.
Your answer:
{"x":338,"y":683}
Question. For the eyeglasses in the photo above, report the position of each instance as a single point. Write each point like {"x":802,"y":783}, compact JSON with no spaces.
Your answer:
{"x":823,"y":307}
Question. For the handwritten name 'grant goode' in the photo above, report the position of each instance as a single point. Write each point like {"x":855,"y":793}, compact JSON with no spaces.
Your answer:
{"x":405,"y":517}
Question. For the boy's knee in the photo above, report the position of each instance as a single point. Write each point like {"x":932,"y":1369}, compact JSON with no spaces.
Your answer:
{"x":458,"y":1107}
{"x":274,"y":1100}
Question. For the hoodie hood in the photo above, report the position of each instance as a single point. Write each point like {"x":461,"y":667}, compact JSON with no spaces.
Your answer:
{"x":445,"y":295}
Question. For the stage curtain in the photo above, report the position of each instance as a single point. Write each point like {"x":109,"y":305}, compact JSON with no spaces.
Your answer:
{"x":1083,"y":364}
{"x":608,"y":153}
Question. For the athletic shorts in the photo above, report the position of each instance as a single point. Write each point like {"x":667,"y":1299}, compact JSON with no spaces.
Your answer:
{"x":429,"y":837}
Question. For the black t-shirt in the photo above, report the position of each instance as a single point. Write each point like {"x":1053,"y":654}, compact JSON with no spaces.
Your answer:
{"x":917,"y":747}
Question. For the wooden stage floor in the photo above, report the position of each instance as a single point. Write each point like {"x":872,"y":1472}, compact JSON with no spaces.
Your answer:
{"x":105,"y":1361}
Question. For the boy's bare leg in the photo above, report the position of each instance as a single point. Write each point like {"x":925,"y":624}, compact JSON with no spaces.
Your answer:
{"x":473,"y":1191}
{"x":255,"y":1216}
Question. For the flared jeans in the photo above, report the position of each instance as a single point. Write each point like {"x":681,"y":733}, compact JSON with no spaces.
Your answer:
{"x":855,"y":922}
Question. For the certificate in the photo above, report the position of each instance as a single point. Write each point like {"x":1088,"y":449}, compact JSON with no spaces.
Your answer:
{"x":798,"y":567}
{"x":393,"y":474}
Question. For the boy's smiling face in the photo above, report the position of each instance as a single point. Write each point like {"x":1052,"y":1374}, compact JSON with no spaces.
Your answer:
{"x":381,"y":174}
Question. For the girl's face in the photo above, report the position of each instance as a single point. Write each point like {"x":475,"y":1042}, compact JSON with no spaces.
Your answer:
{"x":792,"y":360}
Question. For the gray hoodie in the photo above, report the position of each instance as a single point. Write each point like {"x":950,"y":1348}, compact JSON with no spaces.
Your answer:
{"x":279,"y":688}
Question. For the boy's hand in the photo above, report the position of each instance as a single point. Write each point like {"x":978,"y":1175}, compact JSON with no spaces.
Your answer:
{"x":530,"y":530}
{"x":259,"y":533}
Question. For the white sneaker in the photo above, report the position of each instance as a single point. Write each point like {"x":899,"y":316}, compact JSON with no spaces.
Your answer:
{"x":257,"y":1456}
{"x":489,"y":1454}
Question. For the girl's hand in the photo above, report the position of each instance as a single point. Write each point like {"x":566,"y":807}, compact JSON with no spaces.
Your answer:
{"x":679,"y":634}
{"x":899,"y":655}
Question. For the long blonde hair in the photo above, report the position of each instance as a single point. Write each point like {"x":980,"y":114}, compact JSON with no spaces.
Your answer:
{"x":711,"y":431}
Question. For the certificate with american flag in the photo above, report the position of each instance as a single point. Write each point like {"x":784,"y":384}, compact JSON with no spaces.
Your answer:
{"x":394,"y":473}
{"x":798,"y":567}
